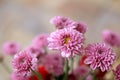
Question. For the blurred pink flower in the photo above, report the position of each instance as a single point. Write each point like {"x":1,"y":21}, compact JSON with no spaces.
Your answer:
{"x":38,"y":52}
{"x":14,"y":76}
{"x":11,"y":48}
{"x":40,"y":41}
{"x":111,"y":38}
{"x":117,"y":72}
{"x":67,"y":40}
{"x":90,"y":77}
{"x":54,"y":64}
{"x":99,"y":55}
{"x":81,"y":70}
{"x":61,"y":22}
{"x":79,"y":26}
{"x":23,"y":62}
{"x":72,"y":77}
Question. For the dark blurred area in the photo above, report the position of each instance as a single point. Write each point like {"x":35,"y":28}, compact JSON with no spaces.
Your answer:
{"x":21,"y":20}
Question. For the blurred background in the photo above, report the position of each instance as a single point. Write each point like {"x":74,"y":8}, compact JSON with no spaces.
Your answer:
{"x":22,"y":20}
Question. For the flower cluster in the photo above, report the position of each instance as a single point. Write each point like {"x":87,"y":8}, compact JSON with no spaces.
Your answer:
{"x":36,"y":63}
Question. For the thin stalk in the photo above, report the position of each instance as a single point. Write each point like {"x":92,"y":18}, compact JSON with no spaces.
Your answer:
{"x":84,"y":78}
{"x":94,"y":76}
{"x":67,"y":69}
{"x":37,"y":74}
{"x":72,"y":64}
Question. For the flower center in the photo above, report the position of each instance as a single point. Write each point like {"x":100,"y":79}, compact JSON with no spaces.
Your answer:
{"x":12,"y":45}
{"x":100,"y":51}
{"x":67,"y":39}
{"x":112,"y":36}
{"x":22,"y":61}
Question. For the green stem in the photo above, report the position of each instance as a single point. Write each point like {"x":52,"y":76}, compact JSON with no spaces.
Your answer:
{"x":6,"y":67}
{"x":72,"y":64}
{"x":84,"y":78}
{"x":80,"y":77}
{"x":67,"y":69}
{"x":37,"y":74}
{"x":94,"y":76}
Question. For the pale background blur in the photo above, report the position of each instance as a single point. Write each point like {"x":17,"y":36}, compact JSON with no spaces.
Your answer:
{"x":22,"y":20}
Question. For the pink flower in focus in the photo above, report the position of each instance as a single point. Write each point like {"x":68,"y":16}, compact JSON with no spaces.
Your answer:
{"x":40,"y":41}
{"x":11,"y":48}
{"x":61,"y":22}
{"x":79,"y":26}
{"x":117,"y":72}
{"x":111,"y":38}
{"x":14,"y":76}
{"x":99,"y":55}
{"x":23,"y":62}
{"x":81,"y":70}
{"x":67,"y":40}
{"x":54,"y":64}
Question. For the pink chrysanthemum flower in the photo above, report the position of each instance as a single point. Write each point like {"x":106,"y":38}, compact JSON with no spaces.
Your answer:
{"x":15,"y":76}
{"x":111,"y":38}
{"x":54,"y":64}
{"x":11,"y":48}
{"x":79,"y":26}
{"x":81,"y":70}
{"x":40,"y":41}
{"x":61,"y":22}
{"x":117,"y":72}
{"x":23,"y":62}
{"x":38,"y":52}
{"x":99,"y":55}
{"x":67,"y":40}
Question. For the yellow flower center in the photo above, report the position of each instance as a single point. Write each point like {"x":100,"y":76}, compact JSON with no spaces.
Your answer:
{"x":67,"y":40}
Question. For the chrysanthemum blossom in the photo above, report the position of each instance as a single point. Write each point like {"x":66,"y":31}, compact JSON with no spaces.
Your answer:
{"x":40,"y":41}
{"x":67,"y":40}
{"x":15,"y":76}
{"x":117,"y":72}
{"x":54,"y":64}
{"x":36,"y":51}
{"x":11,"y":48}
{"x":23,"y":62}
{"x":61,"y":22}
{"x":99,"y":55}
{"x":79,"y":26}
{"x":111,"y":38}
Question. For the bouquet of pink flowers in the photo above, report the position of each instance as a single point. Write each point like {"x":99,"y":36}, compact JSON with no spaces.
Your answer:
{"x":63,"y":54}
